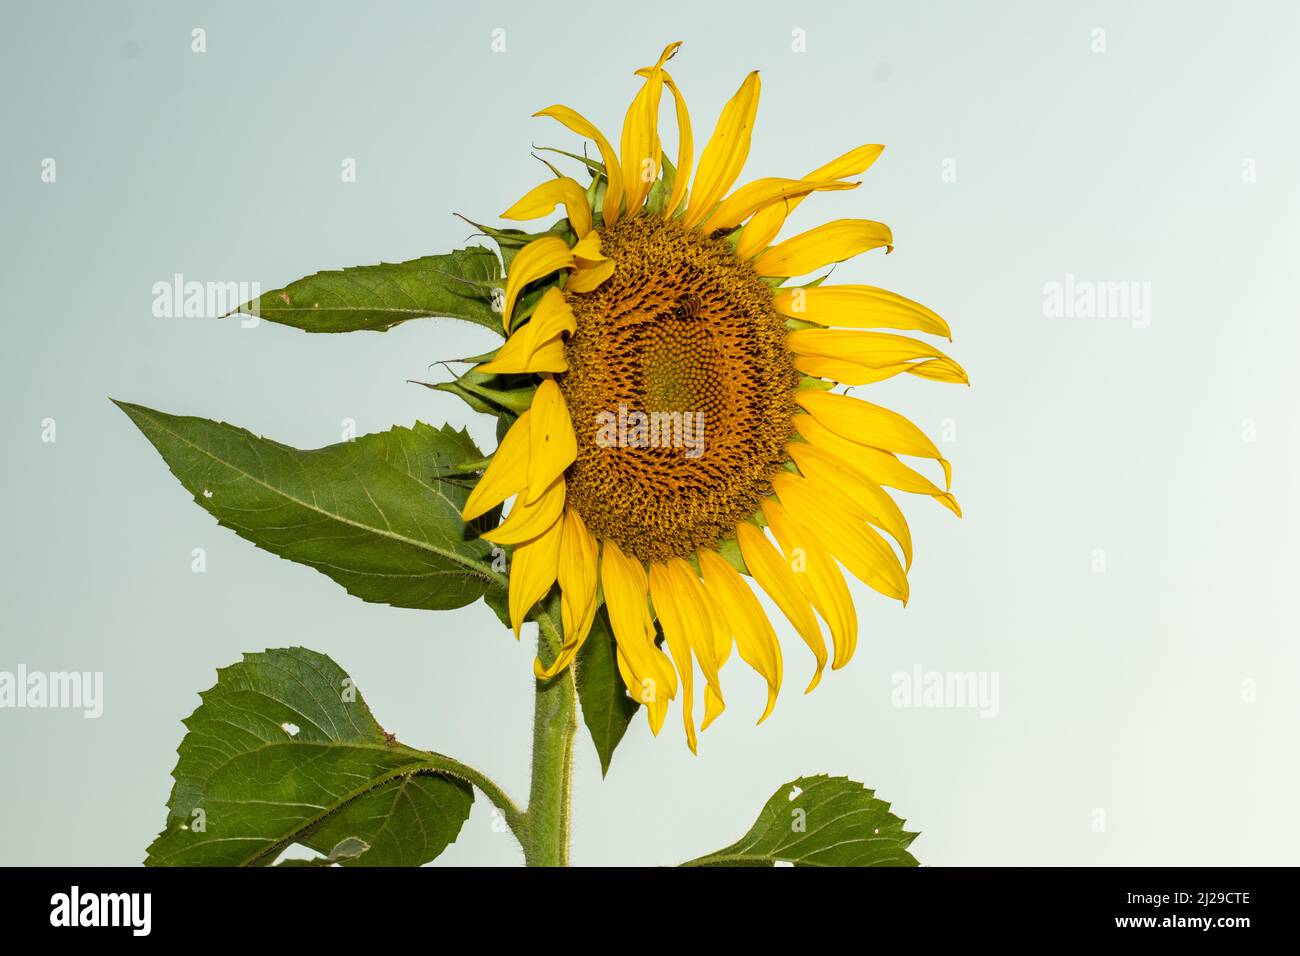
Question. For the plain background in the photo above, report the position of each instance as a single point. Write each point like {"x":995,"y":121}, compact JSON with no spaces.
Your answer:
{"x":1147,"y":713}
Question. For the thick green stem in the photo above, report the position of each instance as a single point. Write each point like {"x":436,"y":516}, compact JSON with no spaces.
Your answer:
{"x":546,"y":836}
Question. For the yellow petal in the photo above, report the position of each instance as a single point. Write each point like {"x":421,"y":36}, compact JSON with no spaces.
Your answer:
{"x":858,"y":307}
{"x":542,"y":200}
{"x":700,"y":633}
{"x":577,"y":574}
{"x":625,"y":587}
{"x":580,"y":125}
{"x":529,"y":520}
{"x":668,"y":604}
{"x":819,"y":577}
{"x":533,"y":567}
{"x":589,"y":278}
{"x":741,"y":204}
{"x":539,"y":258}
{"x":725,"y":154}
{"x":774,"y":576}
{"x":877,"y":349}
{"x":763,"y":228}
{"x":685,"y":148}
{"x":868,"y":424}
{"x":505,"y":475}
{"x":940,"y":370}
{"x":855,"y":545}
{"x":848,"y":373}
{"x":755,"y":639}
{"x":833,"y":242}
{"x":880,"y":466}
{"x":587,"y":249}
{"x":640,"y":143}
{"x":882,"y":351}
{"x":854,"y":492}
{"x":524,"y":350}
{"x":552,"y":445}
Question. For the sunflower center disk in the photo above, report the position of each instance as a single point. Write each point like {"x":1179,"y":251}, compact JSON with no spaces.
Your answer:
{"x":681,"y":391}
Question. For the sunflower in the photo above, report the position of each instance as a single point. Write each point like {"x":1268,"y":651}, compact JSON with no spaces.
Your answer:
{"x":665,"y":300}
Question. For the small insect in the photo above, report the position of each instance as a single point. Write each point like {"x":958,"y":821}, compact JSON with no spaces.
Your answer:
{"x":688,"y":307}
{"x":389,"y":739}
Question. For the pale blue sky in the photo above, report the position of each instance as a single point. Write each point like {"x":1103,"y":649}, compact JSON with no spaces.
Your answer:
{"x":1120,"y":691}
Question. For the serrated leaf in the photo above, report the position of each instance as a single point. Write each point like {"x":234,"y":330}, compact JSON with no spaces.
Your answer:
{"x":820,"y":821}
{"x":372,"y":514}
{"x":374,"y":298}
{"x":606,"y":707}
{"x":284,"y":750}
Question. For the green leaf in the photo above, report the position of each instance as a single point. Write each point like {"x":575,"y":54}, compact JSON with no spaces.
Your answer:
{"x":820,"y":821}
{"x":457,"y":285}
{"x":373,"y":514}
{"x":284,"y":750}
{"x":606,"y":707}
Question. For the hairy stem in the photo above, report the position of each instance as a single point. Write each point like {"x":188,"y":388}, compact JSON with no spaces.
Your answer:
{"x":546,"y":837}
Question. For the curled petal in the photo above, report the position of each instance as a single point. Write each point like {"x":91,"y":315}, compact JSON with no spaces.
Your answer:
{"x":833,"y":242}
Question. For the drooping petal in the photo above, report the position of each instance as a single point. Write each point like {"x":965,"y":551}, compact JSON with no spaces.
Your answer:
{"x":833,"y":242}
{"x":542,"y":200}
{"x":714,"y":705}
{"x":880,"y":466}
{"x":763,"y":228}
{"x":506,"y":474}
{"x":552,"y":444}
{"x":523,"y":351}
{"x":854,"y":492}
{"x":580,"y":125}
{"x":858,"y":307}
{"x":755,"y":639}
{"x":673,"y":617}
{"x":625,"y":586}
{"x":577,"y":574}
{"x":867,"y":555}
{"x":539,"y":258}
{"x":868,"y":424}
{"x":774,"y":576}
{"x":725,"y":153}
{"x":529,"y":520}
{"x":533,"y":568}
{"x":700,"y":632}
{"x":741,"y":204}
{"x":819,"y":577}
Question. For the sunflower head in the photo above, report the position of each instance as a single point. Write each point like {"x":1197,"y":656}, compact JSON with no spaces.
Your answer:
{"x":684,"y":433}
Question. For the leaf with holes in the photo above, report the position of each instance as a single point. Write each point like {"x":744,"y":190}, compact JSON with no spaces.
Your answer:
{"x":380,"y":514}
{"x":457,"y":285}
{"x":283,"y":750}
{"x":820,"y":821}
